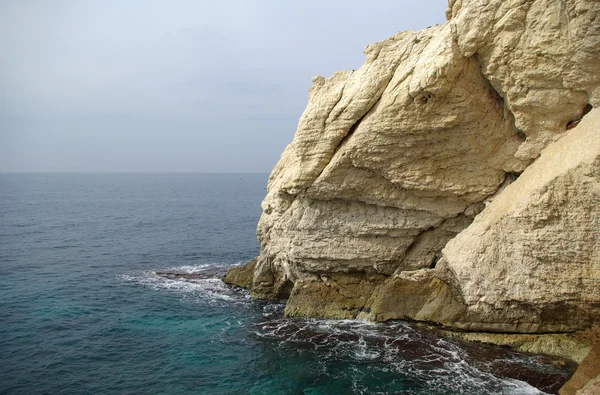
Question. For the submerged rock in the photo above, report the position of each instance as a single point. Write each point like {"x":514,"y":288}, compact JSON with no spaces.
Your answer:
{"x":572,"y":346}
{"x":453,"y":178}
{"x":185,"y":276}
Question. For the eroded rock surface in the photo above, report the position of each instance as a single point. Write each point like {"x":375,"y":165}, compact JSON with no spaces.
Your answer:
{"x":241,"y":275}
{"x":531,"y":261}
{"x":394,"y":160}
{"x":586,"y":380}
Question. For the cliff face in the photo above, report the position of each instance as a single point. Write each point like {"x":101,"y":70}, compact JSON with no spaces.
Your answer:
{"x":397,"y":197}
{"x":530,"y":262}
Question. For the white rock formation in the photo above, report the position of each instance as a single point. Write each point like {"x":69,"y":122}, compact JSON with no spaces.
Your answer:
{"x":531,"y":260}
{"x":393,"y":160}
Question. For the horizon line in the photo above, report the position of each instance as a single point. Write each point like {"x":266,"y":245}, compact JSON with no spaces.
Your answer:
{"x":128,"y":172}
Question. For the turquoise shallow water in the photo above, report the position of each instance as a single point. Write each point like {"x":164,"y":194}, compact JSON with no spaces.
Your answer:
{"x":83,"y":312}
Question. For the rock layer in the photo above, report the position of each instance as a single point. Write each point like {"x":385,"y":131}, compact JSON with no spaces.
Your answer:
{"x":529,"y":262}
{"x":394,"y":160}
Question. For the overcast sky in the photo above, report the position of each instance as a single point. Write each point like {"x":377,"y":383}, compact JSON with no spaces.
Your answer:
{"x":174,"y":86}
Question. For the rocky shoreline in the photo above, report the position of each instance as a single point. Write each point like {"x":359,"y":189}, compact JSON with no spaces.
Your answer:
{"x":453,"y":179}
{"x":413,"y":341}
{"x":580,"y":348}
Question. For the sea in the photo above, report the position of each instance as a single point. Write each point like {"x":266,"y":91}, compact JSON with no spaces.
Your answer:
{"x":82,"y":310}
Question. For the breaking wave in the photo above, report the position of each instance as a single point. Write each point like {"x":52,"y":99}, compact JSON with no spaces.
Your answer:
{"x":209,"y":289}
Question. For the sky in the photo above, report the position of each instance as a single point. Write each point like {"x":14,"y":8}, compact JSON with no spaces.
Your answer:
{"x":174,"y":86}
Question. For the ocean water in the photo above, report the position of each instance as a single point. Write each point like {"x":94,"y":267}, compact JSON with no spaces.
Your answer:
{"x":83,"y":312}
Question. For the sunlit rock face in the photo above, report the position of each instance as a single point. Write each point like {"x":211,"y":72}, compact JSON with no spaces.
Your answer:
{"x":530,"y":262}
{"x":375,"y":208}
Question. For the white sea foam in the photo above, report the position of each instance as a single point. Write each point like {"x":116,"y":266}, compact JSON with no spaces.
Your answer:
{"x":364,"y":351}
{"x":439,"y":364}
{"x":201,"y":290}
{"x":190,"y":269}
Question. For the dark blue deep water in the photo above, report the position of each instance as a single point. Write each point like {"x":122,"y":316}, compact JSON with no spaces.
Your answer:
{"x":83,"y":312}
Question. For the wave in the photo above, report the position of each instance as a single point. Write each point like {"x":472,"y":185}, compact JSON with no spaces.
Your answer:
{"x":210,"y":289}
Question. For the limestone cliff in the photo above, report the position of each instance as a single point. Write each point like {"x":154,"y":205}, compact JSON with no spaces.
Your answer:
{"x":396,"y":197}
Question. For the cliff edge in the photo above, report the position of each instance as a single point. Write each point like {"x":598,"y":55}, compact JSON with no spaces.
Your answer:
{"x":454,"y":178}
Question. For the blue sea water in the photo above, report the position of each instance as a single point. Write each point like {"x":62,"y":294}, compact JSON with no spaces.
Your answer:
{"x":82,"y":310}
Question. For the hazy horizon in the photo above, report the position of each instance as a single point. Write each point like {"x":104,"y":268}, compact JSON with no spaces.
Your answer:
{"x":136,"y":172}
{"x":179,"y":87}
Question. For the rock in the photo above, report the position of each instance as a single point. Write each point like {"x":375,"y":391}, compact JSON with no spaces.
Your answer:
{"x":361,"y":187}
{"x":241,"y":276}
{"x":417,"y":296}
{"x":335,"y":295}
{"x":391,"y":163}
{"x":591,"y":388}
{"x":541,"y":56}
{"x":186,"y":276}
{"x":514,"y":269}
{"x":530,"y":262}
{"x":563,"y":345}
{"x":586,"y":380}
